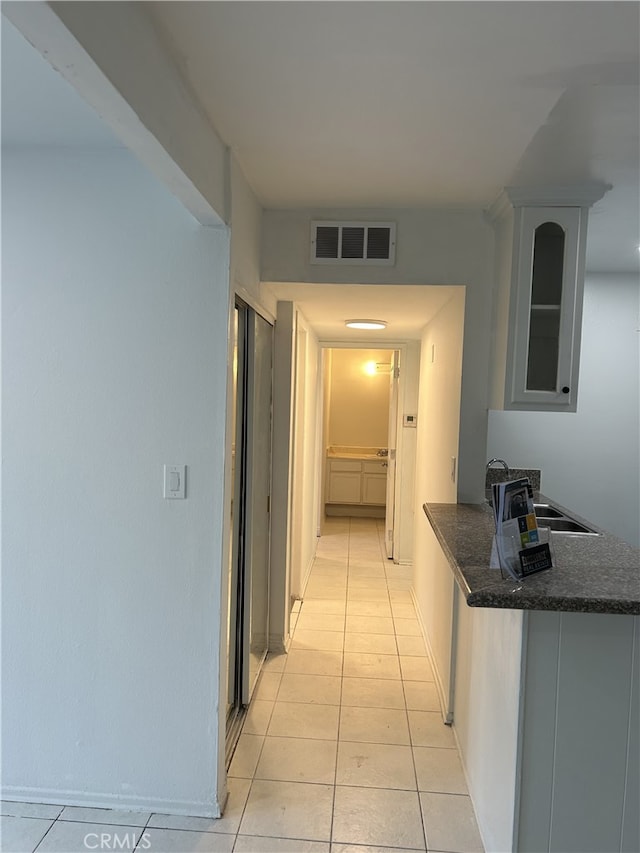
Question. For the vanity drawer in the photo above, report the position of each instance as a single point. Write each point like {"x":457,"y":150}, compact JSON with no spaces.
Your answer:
{"x":345,"y":465}
{"x":375,"y":466}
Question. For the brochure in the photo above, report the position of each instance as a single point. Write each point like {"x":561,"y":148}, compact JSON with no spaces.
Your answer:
{"x":518,"y":542}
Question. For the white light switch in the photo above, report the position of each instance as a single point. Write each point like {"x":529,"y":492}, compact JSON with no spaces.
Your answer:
{"x":174,"y":482}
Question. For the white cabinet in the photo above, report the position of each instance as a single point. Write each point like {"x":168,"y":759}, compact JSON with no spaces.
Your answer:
{"x":374,"y":482}
{"x":540,"y":250}
{"x":356,"y":481}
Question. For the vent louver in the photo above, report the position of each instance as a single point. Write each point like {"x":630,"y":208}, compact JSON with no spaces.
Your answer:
{"x":353,"y":243}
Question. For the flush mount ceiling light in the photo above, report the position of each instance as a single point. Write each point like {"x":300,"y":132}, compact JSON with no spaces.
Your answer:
{"x":366,"y":324}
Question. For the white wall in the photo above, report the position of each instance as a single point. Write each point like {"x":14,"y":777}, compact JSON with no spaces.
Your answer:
{"x":306,"y":470}
{"x":115,"y":310}
{"x":406,"y":442}
{"x":433,"y":247}
{"x":281,"y":475}
{"x":462,"y":641}
{"x":359,"y":404}
{"x":590,"y":460}
{"x":486,"y":703}
{"x":437,"y":443}
{"x":246,"y":230}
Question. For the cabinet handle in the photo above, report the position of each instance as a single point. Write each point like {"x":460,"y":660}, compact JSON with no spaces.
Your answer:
{"x":385,"y":464}
{"x":565,"y":389}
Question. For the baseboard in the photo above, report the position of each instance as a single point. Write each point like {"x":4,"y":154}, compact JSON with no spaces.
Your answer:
{"x":307,"y":575}
{"x":447,"y":716}
{"x":279,"y":645}
{"x":92,"y":799}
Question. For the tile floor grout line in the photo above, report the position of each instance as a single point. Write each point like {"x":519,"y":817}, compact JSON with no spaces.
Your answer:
{"x":344,"y":640}
{"x":411,"y":744}
{"x":137,"y":845}
{"x":53,"y":822}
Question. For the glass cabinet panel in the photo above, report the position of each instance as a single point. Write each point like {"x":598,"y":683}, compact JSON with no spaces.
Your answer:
{"x":546,"y":302}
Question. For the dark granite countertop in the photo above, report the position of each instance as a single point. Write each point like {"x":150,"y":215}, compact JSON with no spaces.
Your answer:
{"x":591,"y":574}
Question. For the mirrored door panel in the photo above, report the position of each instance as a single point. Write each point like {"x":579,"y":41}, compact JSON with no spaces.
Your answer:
{"x":258,"y":499}
{"x":248,"y":574}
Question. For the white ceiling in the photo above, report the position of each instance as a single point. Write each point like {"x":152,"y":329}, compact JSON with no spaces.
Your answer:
{"x":421,"y":103}
{"x":406,"y":308}
{"x":383,"y":104}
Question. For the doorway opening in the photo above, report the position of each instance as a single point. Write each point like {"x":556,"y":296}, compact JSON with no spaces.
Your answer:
{"x":360,"y":406}
{"x":248,"y":571}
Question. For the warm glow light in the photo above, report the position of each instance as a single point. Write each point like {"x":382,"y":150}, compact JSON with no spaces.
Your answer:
{"x":370,"y":368}
{"x":366,"y":324}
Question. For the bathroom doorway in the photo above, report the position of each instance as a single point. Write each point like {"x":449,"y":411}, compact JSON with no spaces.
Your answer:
{"x":360,"y":406}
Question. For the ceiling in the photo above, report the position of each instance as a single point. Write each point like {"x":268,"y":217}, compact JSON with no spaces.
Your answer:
{"x":390,"y":104}
{"x":405,"y":308}
{"x":414,"y":104}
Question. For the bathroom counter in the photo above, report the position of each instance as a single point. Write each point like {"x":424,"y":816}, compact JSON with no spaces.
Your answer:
{"x":353,"y":452}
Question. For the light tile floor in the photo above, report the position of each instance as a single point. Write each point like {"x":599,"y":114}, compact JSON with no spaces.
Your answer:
{"x":343,"y":749}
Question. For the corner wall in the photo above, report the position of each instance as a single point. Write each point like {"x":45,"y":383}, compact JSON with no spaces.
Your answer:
{"x":115,"y":307}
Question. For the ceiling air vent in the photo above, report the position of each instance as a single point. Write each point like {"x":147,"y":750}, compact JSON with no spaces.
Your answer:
{"x":353,"y":243}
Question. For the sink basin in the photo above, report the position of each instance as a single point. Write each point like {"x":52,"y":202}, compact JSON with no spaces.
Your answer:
{"x":546,"y":511}
{"x":565,"y":525}
{"x":559,"y":522}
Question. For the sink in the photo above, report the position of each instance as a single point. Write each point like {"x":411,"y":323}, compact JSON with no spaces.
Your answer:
{"x":557,"y":521}
{"x":546,"y":511}
{"x":565,"y":525}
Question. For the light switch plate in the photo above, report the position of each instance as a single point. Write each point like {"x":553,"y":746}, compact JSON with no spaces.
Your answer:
{"x":175,"y":482}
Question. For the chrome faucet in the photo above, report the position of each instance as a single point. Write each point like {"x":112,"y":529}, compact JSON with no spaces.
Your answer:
{"x":498,"y":462}
{"x":487,"y":488}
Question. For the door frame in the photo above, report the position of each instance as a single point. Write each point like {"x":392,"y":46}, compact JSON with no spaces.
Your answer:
{"x":237,"y":294}
{"x":374,"y":343}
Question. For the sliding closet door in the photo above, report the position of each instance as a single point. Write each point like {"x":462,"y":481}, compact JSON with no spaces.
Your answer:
{"x":248,"y":612}
{"x":258,"y":514}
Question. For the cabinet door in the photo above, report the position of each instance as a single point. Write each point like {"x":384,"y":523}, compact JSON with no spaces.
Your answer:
{"x":374,"y":488}
{"x":344,"y":487}
{"x":546,"y":312}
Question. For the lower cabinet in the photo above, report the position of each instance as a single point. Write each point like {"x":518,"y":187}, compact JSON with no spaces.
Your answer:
{"x":356,"y":481}
{"x":374,"y":484}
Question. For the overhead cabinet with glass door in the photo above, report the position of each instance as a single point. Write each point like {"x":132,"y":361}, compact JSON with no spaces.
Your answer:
{"x":540,"y":255}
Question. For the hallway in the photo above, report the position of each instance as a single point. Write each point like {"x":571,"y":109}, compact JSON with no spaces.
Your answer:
{"x":344,"y":741}
{"x":343,"y":749}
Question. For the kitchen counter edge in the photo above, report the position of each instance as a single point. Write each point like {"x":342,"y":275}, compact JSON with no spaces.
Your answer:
{"x":591,"y":574}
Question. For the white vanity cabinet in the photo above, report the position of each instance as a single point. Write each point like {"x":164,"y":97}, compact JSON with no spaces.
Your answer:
{"x":356,"y":481}
{"x":374,"y":482}
{"x":540,"y":251}
{"x":344,"y":481}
